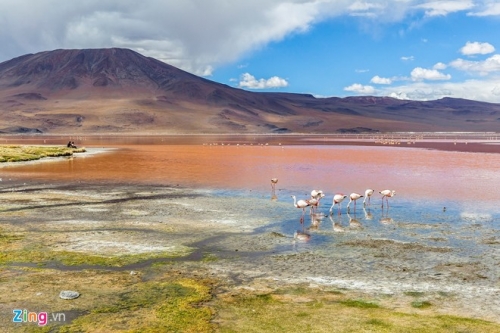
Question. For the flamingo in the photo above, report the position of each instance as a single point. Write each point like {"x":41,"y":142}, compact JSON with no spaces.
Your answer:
{"x":337,"y":200}
{"x":387,"y":194}
{"x":274,"y":181}
{"x":316,"y":193}
{"x":353,"y":197}
{"x":300,"y":204}
{"x":368,"y":194}
{"x":316,"y":196}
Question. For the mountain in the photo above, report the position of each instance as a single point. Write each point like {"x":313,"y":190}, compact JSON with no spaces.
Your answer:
{"x":118,"y":90}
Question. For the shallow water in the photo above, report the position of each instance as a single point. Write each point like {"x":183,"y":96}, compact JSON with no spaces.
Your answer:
{"x":443,"y":198}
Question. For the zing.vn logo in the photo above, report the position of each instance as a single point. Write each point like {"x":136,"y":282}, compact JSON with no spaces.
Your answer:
{"x":23,"y":316}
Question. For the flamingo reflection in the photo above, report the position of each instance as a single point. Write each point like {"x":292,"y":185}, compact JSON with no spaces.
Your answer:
{"x":368,"y":214}
{"x":315,"y":221}
{"x":337,"y":226}
{"x":385,"y":219}
{"x":301,"y":235}
{"x":354,"y":223}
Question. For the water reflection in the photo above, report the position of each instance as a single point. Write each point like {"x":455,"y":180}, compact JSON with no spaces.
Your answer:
{"x":301,"y":235}
{"x":368,"y":214}
{"x":385,"y":219}
{"x":316,"y":219}
{"x":354,"y":223}
{"x":337,"y":225}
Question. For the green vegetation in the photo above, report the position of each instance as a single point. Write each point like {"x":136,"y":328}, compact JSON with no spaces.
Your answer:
{"x":287,"y":312}
{"x":356,"y":303}
{"x":30,"y":153}
{"x":414,"y":293}
{"x":421,"y":304}
{"x":43,"y":256}
{"x":172,"y":306}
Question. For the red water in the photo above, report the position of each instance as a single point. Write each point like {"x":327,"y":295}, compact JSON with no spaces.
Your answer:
{"x":413,"y":173}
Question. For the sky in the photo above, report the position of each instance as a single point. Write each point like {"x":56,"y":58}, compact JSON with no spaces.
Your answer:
{"x":407,"y":49}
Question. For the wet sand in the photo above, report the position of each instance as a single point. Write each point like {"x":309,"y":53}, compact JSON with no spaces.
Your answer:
{"x":90,"y":213}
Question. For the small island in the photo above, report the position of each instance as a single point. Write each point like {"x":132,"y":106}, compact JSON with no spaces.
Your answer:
{"x":20,"y":153}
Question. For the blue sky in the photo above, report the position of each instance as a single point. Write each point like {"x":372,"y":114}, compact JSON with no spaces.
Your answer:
{"x":408,"y":49}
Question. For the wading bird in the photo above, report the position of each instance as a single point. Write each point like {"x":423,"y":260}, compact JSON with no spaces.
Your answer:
{"x":337,"y":200}
{"x":353,"y":197}
{"x":316,"y":196}
{"x":274,"y":181}
{"x":368,"y":195}
{"x":387,"y":194}
{"x":302,"y":204}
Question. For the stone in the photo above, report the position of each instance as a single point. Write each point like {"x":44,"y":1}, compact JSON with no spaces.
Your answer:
{"x":69,"y":294}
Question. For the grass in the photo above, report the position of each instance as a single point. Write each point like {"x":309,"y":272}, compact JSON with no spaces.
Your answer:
{"x":31,"y":153}
{"x":43,"y":256}
{"x":119,"y":302}
{"x":421,"y":304}
{"x":337,"y":313}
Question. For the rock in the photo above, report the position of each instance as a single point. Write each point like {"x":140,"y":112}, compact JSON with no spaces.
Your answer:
{"x":69,"y":294}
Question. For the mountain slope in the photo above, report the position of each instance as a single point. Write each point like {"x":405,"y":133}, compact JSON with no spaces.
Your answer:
{"x":119,"y":90}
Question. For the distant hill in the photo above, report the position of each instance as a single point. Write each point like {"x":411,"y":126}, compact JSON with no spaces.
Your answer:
{"x":118,"y":90}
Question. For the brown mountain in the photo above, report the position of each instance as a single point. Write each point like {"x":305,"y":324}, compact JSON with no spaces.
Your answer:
{"x":119,"y":90}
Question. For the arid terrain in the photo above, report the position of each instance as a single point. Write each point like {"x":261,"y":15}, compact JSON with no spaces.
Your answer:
{"x":120,"y":91}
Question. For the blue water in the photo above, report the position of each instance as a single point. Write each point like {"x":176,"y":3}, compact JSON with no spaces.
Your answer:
{"x":463,"y":227}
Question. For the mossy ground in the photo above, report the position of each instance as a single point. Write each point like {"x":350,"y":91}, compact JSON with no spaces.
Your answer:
{"x":29,"y":153}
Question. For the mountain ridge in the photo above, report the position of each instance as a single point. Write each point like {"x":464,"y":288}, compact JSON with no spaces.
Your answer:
{"x":119,"y":90}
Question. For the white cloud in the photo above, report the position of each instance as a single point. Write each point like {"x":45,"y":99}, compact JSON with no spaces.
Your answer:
{"x":360,"y":89}
{"x":490,"y":9}
{"x":196,"y":36}
{"x":439,"y":66}
{"x":472,"y":48}
{"x":364,"y":6}
{"x":419,"y":73}
{"x":481,"y":90}
{"x":250,"y":82}
{"x":361,"y":70}
{"x":492,"y":64}
{"x":443,"y":8}
{"x":380,"y":80}
{"x":410,"y":58}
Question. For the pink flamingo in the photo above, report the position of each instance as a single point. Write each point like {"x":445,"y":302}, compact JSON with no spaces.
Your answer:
{"x":353,"y":197}
{"x":316,"y":196}
{"x":337,"y":200}
{"x":368,"y":194}
{"x":274,"y":181}
{"x":387,"y":194}
{"x":300,"y":204}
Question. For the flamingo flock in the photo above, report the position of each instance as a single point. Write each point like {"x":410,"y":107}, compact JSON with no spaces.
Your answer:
{"x":317,"y":195}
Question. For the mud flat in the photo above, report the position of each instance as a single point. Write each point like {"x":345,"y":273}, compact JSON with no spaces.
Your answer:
{"x":101,"y":239}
